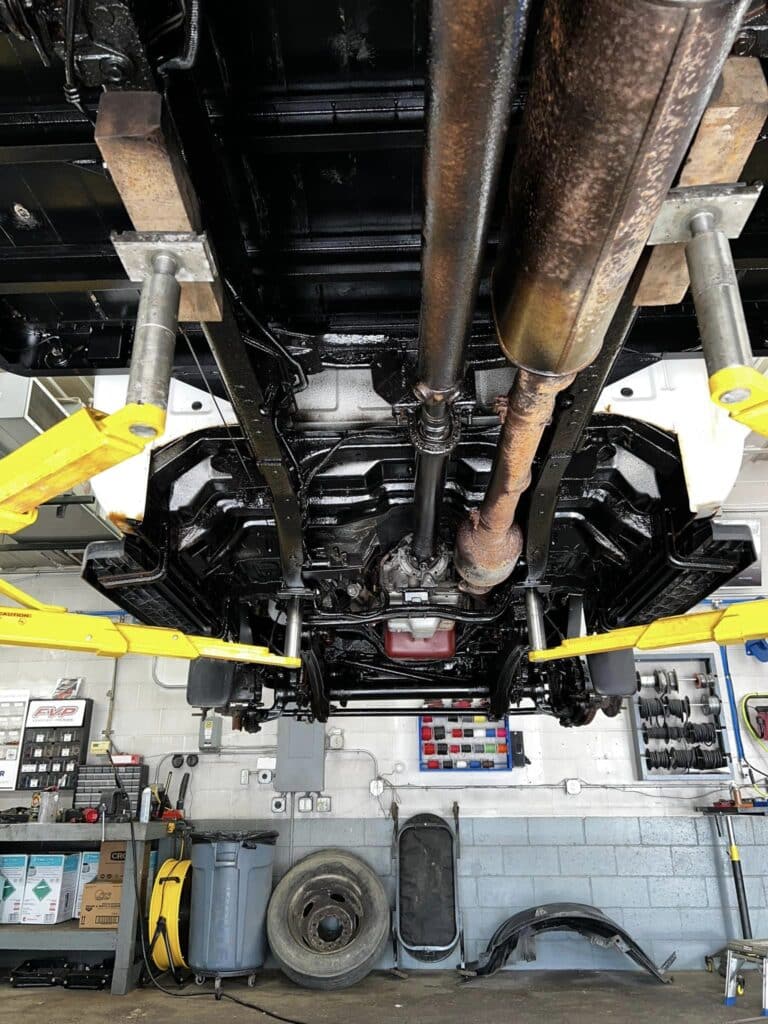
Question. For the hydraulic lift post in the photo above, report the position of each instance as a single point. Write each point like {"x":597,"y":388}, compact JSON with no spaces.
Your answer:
{"x":89,"y":441}
{"x":703,"y":219}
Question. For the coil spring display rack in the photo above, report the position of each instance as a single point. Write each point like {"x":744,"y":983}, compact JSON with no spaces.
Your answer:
{"x":678,"y":725}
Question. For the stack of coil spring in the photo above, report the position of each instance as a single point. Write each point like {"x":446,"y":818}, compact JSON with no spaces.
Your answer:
{"x":666,"y":718}
{"x":701,"y":759}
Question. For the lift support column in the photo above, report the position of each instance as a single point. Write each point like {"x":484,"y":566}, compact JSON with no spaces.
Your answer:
{"x":704,"y":219}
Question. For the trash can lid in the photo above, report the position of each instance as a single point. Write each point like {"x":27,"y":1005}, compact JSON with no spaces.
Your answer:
{"x":247,"y":839}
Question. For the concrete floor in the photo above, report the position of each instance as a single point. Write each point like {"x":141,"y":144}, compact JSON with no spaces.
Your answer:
{"x":437,"y":997}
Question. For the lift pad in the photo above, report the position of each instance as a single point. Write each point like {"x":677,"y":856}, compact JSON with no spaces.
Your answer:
{"x":732,"y":625}
{"x":752,"y":408}
{"x":43,"y":625}
{"x":68,"y":454}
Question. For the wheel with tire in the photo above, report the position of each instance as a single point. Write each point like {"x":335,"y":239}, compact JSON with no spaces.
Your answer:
{"x":328,"y":921}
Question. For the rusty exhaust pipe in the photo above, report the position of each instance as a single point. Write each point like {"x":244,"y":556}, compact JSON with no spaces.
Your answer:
{"x":489,"y":542}
{"x":475,"y":48}
{"x":617,"y":91}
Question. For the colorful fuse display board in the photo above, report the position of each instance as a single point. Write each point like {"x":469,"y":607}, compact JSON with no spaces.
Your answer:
{"x":466,"y":741}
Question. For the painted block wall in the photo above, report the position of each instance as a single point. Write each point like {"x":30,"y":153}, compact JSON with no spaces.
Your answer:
{"x":666,"y":880}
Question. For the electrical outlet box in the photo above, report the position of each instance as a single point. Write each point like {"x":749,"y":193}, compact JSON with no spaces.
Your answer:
{"x":264,"y":776}
{"x":305,"y":804}
{"x":209,"y":738}
{"x":323,"y":805}
{"x":279,"y":805}
{"x":300,"y":756}
{"x":572,"y":787}
{"x":336,"y":739}
{"x":245,"y":776}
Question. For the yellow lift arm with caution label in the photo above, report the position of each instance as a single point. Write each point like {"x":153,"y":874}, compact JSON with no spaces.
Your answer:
{"x":70,"y":453}
{"x":44,"y":625}
{"x":732,"y":625}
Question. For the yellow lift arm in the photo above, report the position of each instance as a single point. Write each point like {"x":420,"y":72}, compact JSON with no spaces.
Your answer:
{"x":44,"y":625}
{"x":70,"y":453}
{"x":732,"y":625}
{"x":752,"y":410}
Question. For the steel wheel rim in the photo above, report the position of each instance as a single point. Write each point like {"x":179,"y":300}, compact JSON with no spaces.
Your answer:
{"x":326,"y":913}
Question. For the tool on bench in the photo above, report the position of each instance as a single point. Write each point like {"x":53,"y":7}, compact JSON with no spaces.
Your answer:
{"x":160,"y":799}
{"x":183,"y":791}
{"x":176,"y":813}
{"x":116,"y":805}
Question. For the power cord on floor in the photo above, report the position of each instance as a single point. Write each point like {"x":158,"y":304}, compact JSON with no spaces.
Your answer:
{"x":145,"y":957}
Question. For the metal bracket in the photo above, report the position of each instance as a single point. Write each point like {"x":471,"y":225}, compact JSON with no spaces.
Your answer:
{"x":286,"y":593}
{"x":192,"y":252}
{"x":730,"y":206}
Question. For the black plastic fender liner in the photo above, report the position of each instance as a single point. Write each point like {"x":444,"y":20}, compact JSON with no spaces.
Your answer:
{"x":520,"y":931}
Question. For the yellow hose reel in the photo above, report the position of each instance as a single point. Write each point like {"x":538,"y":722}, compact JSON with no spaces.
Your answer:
{"x":169,"y":915}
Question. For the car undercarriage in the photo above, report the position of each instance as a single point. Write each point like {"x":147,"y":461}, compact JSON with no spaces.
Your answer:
{"x":429,"y":225}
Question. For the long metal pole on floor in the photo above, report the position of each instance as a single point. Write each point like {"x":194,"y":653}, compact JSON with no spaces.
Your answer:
{"x":738,"y":879}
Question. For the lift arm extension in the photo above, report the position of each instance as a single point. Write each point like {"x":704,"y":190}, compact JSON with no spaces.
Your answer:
{"x":43,"y":625}
{"x":732,"y":625}
{"x":70,"y":453}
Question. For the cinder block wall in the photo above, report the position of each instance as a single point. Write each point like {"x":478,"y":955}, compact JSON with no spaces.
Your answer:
{"x":666,"y":880}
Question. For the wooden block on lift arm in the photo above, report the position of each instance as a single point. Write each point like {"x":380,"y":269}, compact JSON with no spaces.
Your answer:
{"x":142,"y":152}
{"x":729,"y":129}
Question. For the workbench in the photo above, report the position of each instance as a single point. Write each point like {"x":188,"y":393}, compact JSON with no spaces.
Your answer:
{"x":68,"y":937}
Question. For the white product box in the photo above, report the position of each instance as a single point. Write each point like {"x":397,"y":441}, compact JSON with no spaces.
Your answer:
{"x":13,"y":875}
{"x":89,"y":872}
{"x":49,"y":894}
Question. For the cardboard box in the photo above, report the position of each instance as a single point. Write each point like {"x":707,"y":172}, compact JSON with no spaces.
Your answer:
{"x":101,"y":905}
{"x":89,"y":870}
{"x":112,"y":861}
{"x":49,"y":892}
{"x":13,"y":877}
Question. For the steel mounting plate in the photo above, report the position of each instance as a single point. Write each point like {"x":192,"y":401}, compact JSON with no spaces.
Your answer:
{"x":193,"y":253}
{"x":730,"y":205}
